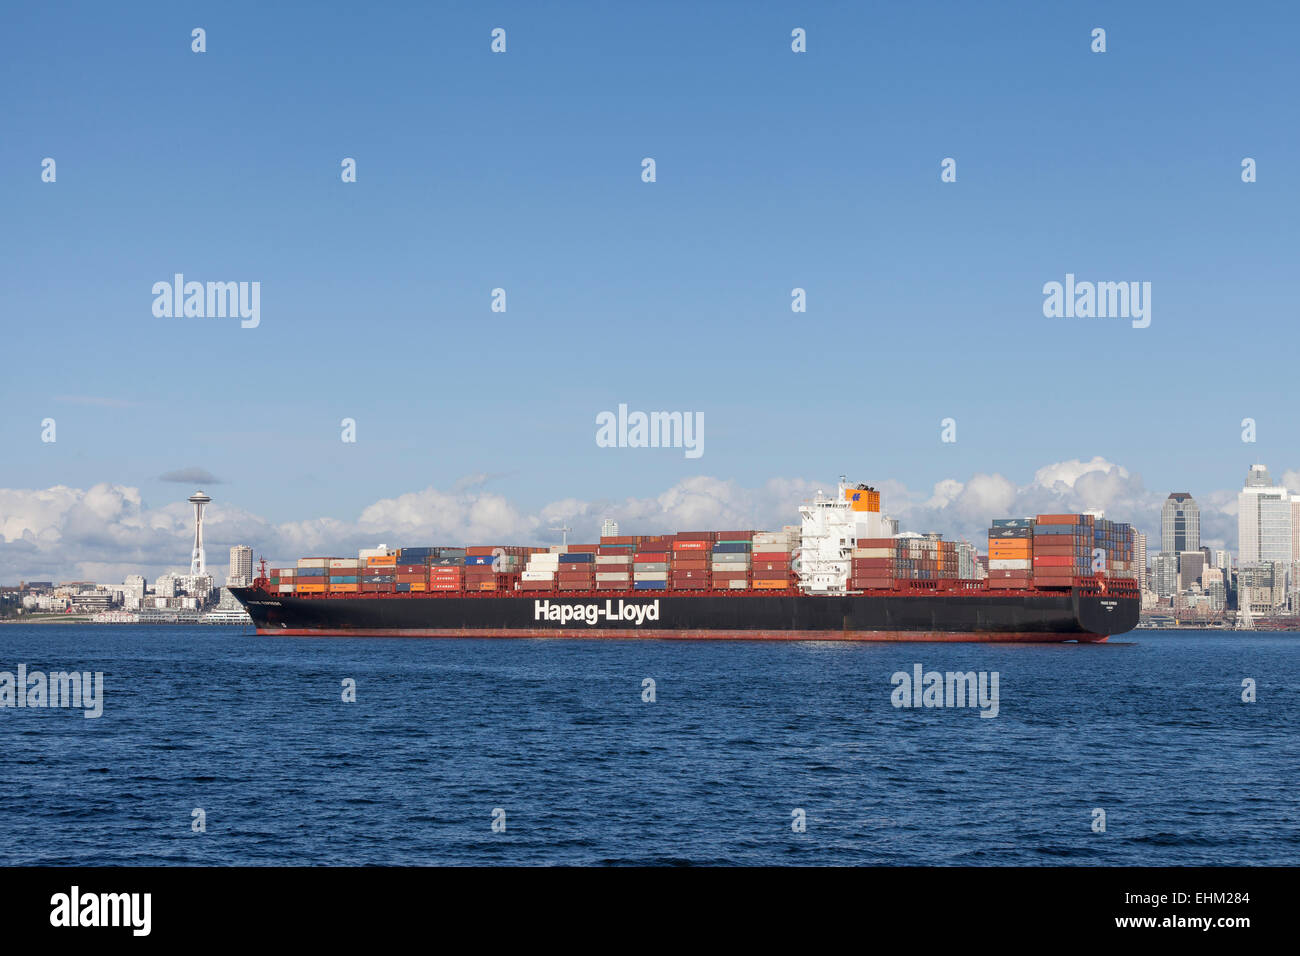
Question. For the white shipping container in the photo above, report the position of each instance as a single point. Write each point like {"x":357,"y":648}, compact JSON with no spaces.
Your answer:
{"x":737,"y":585}
{"x":873,"y":552}
{"x":286,"y":588}
{"x":651,"y":576}
{"x":1008,"y":564}
{"x":345,"y":563}
{"x":612,"y":576}
{"x":537,"y":576}
{"x":314,"y":562}
{"x":613,"y":559}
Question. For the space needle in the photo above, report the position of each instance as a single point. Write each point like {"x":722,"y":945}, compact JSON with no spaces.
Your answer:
{"x":198,"y":563}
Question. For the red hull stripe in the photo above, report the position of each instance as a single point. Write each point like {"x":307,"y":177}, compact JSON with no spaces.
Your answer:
{"x":691,"y":635}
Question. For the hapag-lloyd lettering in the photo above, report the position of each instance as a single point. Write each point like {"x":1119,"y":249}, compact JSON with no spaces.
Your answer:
{"x":590,"y":614}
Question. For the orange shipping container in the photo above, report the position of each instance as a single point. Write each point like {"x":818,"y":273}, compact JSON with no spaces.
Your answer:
{"x":310,"y":588}
{"x":344,"y":588}
{"x":692,"y":545}
{"x":384,"y":562}
{"x":770,"y":583}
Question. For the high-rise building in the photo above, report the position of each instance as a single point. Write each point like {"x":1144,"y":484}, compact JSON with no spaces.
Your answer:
{"x":1164,"y":574}
{"x":241,"y":567}
{"x":1264,"y":520}
{"x":1191,"y":569}
{"x":1180,"y":523}
{"x":135,"y":585}
{"x":609,"y":529}
{"x":1140,"y":557}
{"x":1261,"y":586}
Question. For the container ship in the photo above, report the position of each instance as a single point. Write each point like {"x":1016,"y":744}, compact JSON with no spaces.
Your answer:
{"x":842,"y":574}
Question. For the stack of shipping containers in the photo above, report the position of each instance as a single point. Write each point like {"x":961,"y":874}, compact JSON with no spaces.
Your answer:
{"x":1115,"y":538}
{"x":577,"y":568}
{"x":282,"y":580}
{"x":344,"y":575}
{"x":614,"y":563}
{"x":650,"y":563}
{"x":494,"y":567}
{"x":380,"y":574}
{"x":772,"y":559}
{"x":873,"y":564}
{"x":732,"y":564}
{"x":1062,"y":549}
{"x":447,"y":569}
{"x":540,"y":571}
{"x":313,"y":576}
{"x":690,"y":556}
{"x":1011,"y":553}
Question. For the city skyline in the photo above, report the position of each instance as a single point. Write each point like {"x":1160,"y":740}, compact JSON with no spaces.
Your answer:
{"x":958,"y":510}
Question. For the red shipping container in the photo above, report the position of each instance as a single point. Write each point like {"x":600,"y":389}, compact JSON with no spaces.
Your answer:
{"x":649,"y":557}
{"x":692,"y":565}
{"x":725,"y":577}
{"x":691,"y":544}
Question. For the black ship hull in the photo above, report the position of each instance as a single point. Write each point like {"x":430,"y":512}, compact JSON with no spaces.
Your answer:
{"x":1005,"y":616}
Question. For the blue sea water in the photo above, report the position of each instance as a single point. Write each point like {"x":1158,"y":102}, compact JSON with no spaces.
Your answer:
{"x":1150,"y":728}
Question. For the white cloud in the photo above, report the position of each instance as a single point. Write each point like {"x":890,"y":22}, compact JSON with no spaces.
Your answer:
{"x":107,"y":531}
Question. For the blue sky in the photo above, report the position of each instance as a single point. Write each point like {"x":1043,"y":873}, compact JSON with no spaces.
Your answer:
{"x":522,"y":171}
